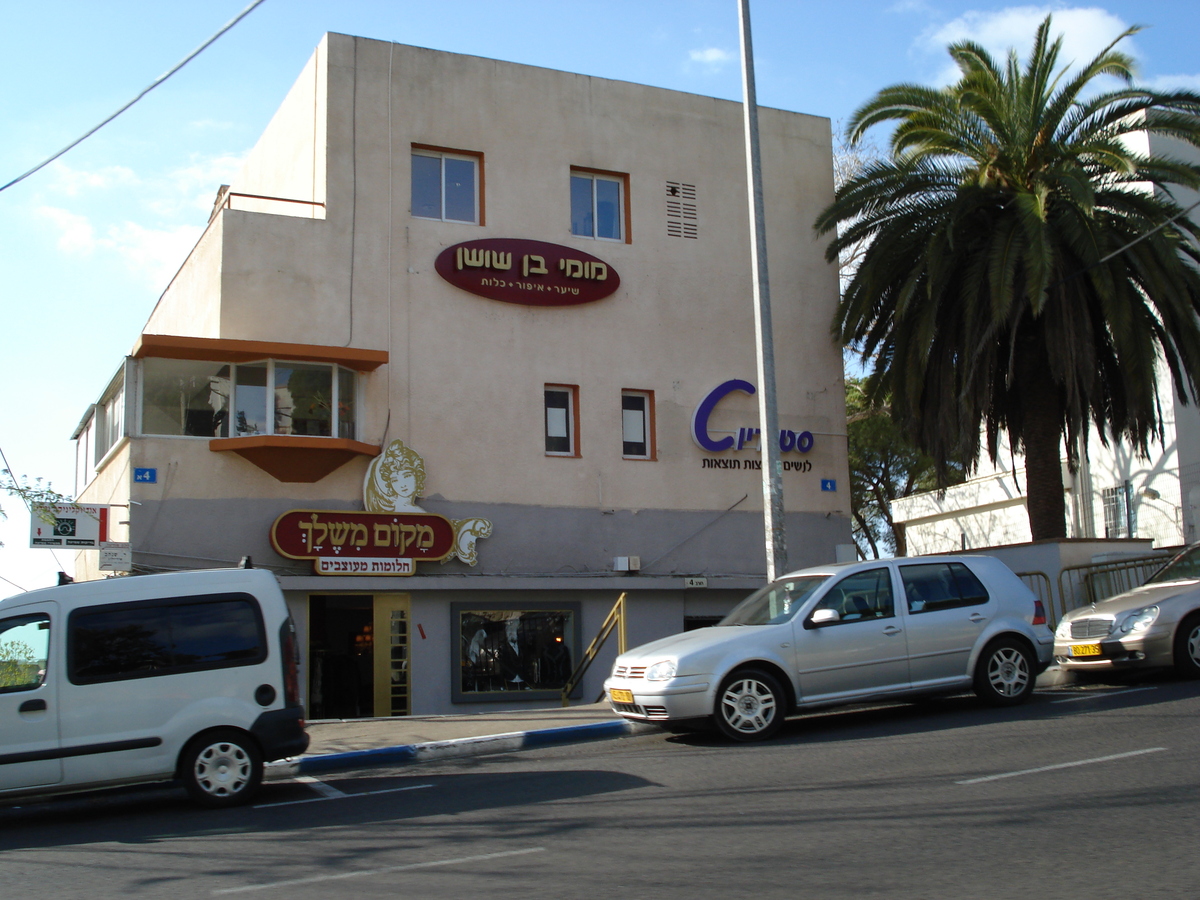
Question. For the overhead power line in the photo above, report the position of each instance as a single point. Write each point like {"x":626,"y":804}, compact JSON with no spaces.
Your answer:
{"x":161,"y":78}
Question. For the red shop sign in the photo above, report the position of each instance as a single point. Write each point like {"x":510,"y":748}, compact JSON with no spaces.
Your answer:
{"x":361,"y":543}
{"x":531,"y":273}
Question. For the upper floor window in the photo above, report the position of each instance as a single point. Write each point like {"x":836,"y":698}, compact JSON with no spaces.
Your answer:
{"x":445,"y":185}
{"x":562,"y":436}
{"x":598,"y":204}
{"x":214,"y":399}
{"x":637,"y":424}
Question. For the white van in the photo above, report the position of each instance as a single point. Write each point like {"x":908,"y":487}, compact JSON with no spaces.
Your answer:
{"x":189,"y":675}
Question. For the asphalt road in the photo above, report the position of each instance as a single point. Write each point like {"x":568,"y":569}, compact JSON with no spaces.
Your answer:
{"x":1089,"y":793}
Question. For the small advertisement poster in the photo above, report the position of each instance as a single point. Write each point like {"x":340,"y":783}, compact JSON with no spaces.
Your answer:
{"x":75,"y":526}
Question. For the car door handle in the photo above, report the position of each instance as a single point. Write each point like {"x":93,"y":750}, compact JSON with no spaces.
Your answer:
{"x":977,"y":617}
{"x":890,"y":630}
{"x":32,"y":706}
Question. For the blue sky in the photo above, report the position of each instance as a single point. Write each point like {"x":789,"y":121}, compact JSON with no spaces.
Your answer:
{"x":89,"y":243}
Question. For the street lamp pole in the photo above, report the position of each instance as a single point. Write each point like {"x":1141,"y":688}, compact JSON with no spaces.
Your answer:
{"x":768,"y":413}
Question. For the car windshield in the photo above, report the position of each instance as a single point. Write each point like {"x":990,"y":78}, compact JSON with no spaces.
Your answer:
{"x":775,"y":603}
{"x":1184,"y":567}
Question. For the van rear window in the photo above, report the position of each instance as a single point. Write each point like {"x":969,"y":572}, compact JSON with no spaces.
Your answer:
{"x":163,"y":637}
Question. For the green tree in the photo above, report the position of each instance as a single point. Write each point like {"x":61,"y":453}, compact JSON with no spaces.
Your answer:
{"x":884,"y":466}
{"x":1021,"y":276}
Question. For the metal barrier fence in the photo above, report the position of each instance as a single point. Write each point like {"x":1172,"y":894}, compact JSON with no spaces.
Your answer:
{"x":1081,"y":585}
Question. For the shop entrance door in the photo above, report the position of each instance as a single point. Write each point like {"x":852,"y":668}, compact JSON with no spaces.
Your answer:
{"x":392,"y":613}
{"x":340,"y":657}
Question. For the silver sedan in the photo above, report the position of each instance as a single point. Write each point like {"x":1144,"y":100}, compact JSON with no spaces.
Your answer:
{"x":1157,"y":624}
{"x":842,"y":634}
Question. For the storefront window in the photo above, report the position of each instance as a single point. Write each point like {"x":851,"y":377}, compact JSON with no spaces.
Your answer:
{"x":194,"y":398}
{"x":185,"y":397}
{"x":502,"y":651}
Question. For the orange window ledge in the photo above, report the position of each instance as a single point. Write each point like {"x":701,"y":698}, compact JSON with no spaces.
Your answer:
{"x":295,"y":458}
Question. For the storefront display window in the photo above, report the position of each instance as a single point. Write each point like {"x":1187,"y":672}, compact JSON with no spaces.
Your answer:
{"x":528,"y":649}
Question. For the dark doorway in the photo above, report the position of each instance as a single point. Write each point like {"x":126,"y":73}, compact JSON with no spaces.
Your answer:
{"x":341,"y":657}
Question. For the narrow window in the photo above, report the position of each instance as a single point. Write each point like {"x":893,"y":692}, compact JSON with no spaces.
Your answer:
{"x":560,"y":421}
{"x":637,"y":425}
{"x":598,"y":205}
{"x":445,"y":186}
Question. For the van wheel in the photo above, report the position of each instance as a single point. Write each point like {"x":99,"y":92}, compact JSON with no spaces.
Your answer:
{"x":221,"y":768}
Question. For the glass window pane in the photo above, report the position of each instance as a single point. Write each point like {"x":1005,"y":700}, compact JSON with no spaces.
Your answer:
{"x":24,"y":649}
{"x":185,"y":397}
{"x":347,"y":402}
{"x":119,"y":643}
{"x":251,"y":400}
{"x":427,"y":186}
{"x":581,"y":206}
{"x":460,"y":189}
{"x":558,"y":421}
{"x":608,"y":209}
{"x":515,"y":650}
{"x":215,"y":632}
{"x":303,"y":399}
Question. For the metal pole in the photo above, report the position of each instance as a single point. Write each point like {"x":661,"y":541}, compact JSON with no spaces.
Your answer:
{"x":768,"y":413}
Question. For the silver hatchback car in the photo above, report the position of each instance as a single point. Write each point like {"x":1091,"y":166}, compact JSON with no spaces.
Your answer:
{"x":842,"y":634}
{"x":1157,"y":624}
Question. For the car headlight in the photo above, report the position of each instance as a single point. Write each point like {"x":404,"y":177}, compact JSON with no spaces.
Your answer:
{"x":1139,"y":620}
{"x":661,"y":671}
{"x":1063,"y":632}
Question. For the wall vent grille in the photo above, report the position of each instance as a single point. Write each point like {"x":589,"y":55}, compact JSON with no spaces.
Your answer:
{"x":683,"y":221}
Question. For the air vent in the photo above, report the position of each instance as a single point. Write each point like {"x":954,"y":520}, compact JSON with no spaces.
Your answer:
{"x":682,"y":218}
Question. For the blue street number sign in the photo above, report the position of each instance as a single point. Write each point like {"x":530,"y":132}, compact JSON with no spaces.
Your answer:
{"x":829,"y":484}
{"x":150,"y":476}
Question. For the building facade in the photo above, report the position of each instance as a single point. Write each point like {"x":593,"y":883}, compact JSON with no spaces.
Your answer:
{"x":467,"y":351}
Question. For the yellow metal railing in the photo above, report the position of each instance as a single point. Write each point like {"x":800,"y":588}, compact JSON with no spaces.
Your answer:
{"x":614,"y":619}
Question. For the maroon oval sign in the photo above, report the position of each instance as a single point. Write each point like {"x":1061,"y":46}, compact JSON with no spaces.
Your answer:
{"x":531,"y":273}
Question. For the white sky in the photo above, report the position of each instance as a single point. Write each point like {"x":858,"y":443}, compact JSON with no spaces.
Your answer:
{"x":88,"y":244}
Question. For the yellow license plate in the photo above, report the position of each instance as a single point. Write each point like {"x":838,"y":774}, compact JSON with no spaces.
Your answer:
{"x":1085,"y":649}
{"x":619,"y":696}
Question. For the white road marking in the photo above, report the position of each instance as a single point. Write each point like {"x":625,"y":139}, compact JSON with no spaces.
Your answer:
{"x":1066,"y":765}
{"x":325,"y":790}
{"x":335,"y":794}
{"x":317,"y":879}
{"x":1092,"y":695}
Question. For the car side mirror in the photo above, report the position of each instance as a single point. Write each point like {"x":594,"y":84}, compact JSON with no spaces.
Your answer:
{"x":822,"y":617}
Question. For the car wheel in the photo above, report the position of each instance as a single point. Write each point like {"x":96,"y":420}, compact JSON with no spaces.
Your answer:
{"x":1187,"y":648}
{"x":1004,"y":674}
{"x":750,"y":706}
{"x":221,"y":768}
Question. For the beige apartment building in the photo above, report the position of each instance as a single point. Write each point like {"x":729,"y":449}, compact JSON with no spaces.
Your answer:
{"x":465,"y":353}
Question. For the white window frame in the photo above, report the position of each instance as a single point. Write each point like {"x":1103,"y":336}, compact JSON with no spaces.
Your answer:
{"x":647,"y":424}
{"x":593,"y":177}
{"x":477,"y":164}
{"x":572,"y":412}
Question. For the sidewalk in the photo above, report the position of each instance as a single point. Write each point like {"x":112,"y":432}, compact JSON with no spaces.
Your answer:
{"x":356,"y":743}
{"x":340,"y":744}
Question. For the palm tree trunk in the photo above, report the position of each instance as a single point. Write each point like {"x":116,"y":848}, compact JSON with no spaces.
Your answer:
{"x":1042,"y":428}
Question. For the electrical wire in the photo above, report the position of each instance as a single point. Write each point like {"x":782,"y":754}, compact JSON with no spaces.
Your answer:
{"x":245,"y":12}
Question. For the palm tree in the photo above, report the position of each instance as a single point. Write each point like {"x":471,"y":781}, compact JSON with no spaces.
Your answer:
{"x":1028,"y":270}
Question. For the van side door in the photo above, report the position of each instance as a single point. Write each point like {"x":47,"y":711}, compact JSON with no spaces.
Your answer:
{"x":30,"y":663}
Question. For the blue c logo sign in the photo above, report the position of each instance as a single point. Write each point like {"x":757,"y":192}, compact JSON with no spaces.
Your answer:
{"x":704,"y":410}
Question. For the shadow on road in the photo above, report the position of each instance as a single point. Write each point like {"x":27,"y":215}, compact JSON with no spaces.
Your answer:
{"x":149,"y":816}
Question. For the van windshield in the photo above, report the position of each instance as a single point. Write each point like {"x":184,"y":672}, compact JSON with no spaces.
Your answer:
{"x":775,"y":603}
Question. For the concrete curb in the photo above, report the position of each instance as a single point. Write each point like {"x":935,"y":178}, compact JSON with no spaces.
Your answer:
{"x":407,"y":754}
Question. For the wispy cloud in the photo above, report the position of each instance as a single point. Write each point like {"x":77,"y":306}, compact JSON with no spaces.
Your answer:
{"x":711,"y":58}
{"x":71,"y":181}
{"x":76,"y":236}
{"x":1086,"y":31}
{"x":1174,"y":83}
